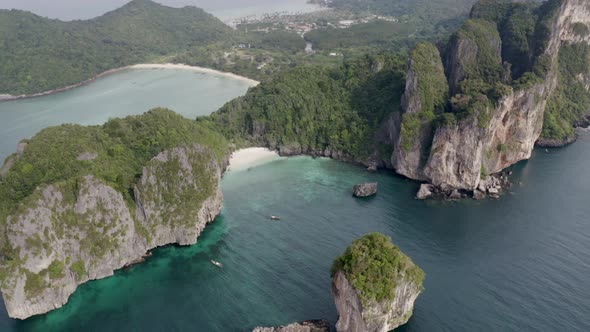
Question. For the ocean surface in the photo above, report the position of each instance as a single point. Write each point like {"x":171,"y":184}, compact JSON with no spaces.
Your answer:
{"x":518,"y":263}
{"x":132,"y":91}
{"x":224,"y":9}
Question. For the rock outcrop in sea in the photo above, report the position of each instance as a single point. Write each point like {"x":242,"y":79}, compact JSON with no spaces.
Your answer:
{"x":365,"y":189}
{"x":374,"y":286}
{"x":82,"y":202}
{"x":64,"y":240}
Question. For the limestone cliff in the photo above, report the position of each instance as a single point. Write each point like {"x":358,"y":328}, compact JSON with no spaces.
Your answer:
{"x":374,"y":286}
{"x":62,"y":240}
{"x":494,"y":123}
{"x":374,"y":316}
{"x":425,"y":95}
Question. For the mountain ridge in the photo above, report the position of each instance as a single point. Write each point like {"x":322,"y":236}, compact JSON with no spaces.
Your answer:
{"x":46,"y":54}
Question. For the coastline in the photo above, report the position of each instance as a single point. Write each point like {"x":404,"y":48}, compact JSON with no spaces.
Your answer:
{"x":7,"y":97}
{"x":245,"y":158}
{"x":195,"y":69}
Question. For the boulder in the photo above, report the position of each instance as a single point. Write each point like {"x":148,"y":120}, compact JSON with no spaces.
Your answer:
{"x":426,"y":191}
{"x":455,"y":194}
{"x":21,"y":147}
{"x":479,"y":195}
{"x":365,"y":189}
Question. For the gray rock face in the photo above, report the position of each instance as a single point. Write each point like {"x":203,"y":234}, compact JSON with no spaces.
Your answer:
{"x":20,"y":148}
{"x":382,"y":317}
{"x":11,"y":160}
{"x":460,"y":154}
{"x":65,"y":239}
{"x":410,"y":162}
{"x":365,"y":189}
{"x":307,"y":326}
{"x":426,"y":191}
{"x":7,"y":165}
{"x":552,"y":143}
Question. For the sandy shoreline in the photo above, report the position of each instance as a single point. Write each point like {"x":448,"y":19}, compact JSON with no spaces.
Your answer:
{"x":7,"y":97}
{"x":250,"y":157}
{"x":195,"y":69}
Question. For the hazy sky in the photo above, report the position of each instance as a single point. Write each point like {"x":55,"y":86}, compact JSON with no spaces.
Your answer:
{"x":83,"y":9}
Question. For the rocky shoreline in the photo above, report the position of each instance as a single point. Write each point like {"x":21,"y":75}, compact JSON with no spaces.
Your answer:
{"x":128,"y":235}
{"x":555,"y":143}
{"x":490,"y":187}
{"x":316,"y":325}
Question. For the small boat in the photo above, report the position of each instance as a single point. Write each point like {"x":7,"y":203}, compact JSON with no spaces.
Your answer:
{"x":275,"y":218}
{"x":216,"y":263}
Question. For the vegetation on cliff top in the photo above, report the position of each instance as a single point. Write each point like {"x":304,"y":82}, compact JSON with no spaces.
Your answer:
{"x":57,"y":162}
{"x":120,"y":149}
{"x":433,"y":92}
{"x":510,"y":40}
{"x":374,"y":266}
{"x":570,"y":103}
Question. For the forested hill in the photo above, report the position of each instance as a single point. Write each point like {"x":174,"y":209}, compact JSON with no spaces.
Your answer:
{"x":39,"y":54}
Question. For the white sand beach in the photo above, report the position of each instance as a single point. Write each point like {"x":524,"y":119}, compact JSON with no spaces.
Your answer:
{"x":246,"y":158}
{"x":7,"y":97}
{"x":193,"y":68}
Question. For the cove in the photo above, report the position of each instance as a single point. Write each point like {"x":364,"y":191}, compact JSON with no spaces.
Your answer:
{"x":516,"y":263}
{"x":131,"y":91}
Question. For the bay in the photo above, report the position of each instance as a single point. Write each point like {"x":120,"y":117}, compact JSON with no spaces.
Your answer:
{"x":132,"y":91}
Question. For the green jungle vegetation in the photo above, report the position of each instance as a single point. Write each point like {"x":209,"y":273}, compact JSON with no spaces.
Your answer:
{"x":318,"y":108}
{"x":416,"y":10}
{"x":380,"y":34}
{"x":374,"y":266}
{"x":435,"y":19}
{"x":41,"y":54}
{"x":433,"y":92}
{"x":570,"y":104}
{"x":524,"y":29}
{"x":122,"y":147}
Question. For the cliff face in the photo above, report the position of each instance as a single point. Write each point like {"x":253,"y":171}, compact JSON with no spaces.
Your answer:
{"x":62,"y":240}
{"x":425,"y":95}
{"x":374,"y":299}
{"x":375,"y":316}
{"x":502,"y":132}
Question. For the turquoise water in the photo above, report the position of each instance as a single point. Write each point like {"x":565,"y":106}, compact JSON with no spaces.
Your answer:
{"x":519,"y":263}
{"x":129,"y":92}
